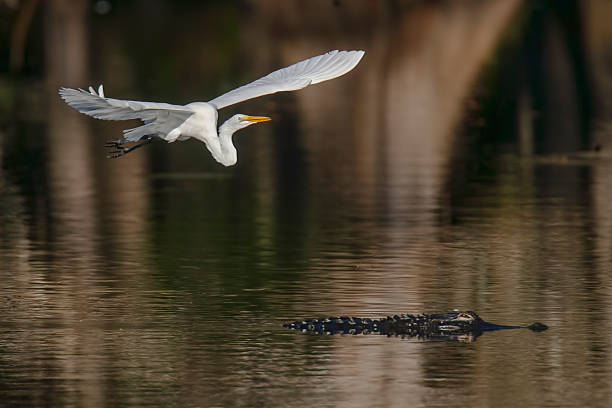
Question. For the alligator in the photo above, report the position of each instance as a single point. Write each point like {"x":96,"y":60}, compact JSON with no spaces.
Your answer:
{"x":456,"y":325}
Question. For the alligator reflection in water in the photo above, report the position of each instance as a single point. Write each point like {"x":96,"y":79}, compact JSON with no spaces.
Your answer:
{"x":456,"y":325}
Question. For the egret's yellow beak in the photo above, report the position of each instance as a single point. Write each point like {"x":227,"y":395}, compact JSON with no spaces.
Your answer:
{"x":256,"y":119}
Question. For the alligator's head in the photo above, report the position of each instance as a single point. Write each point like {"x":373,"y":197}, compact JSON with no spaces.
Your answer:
{"x":462,"y":322}
{"x":456,"y":321}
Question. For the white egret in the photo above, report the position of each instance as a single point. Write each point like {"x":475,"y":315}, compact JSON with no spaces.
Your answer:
{"x":199,"y":119}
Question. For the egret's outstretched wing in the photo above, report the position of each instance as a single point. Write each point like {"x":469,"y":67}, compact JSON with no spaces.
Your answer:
{"x":159,"y":118}
{"x":297,"y":76}
{"x":100,"y":107}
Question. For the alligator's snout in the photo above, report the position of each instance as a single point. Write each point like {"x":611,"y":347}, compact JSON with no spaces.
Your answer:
{"x":538,"y":327}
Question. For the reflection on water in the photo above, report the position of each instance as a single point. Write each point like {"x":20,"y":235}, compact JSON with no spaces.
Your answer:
{"x":447,"y":172}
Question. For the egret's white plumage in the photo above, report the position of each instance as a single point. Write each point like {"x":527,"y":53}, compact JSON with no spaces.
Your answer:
{"x":199,"y":119}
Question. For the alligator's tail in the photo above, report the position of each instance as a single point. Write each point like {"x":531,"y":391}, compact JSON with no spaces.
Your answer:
{"x":486,"y":326}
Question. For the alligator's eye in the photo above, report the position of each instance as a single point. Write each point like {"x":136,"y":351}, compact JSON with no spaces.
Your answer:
{"x":465,"y":316}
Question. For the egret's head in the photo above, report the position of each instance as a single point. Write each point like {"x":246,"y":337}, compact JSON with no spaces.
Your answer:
{"x":241,"y":121}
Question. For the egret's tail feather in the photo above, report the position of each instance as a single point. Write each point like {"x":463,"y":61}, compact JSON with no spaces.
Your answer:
{"x":139,"y":132}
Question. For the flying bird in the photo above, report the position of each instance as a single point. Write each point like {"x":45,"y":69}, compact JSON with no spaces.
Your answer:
{"x":199,"y":119}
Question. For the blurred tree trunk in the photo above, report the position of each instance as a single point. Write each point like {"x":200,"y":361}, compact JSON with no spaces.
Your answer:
{"x":71,"y":187}
{"x":597,"y":15}
{"x":19,"y":34}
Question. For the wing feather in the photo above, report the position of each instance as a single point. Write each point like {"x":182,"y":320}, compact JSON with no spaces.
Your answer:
{"x":97,"y":106}
{"x":297,"y":76}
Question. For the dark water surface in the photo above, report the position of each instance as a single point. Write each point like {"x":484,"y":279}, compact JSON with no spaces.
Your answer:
{"x":449,"y":170}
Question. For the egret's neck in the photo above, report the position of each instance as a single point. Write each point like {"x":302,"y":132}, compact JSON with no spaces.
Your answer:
{"x":227,"y":155}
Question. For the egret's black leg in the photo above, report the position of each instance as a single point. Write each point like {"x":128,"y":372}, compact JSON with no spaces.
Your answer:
{"x":121,"y":151}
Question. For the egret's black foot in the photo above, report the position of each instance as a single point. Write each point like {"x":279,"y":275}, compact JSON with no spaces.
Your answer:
{"x":117,"y":153}
{"x":114,"y":143}
{"x":122,"y":151}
